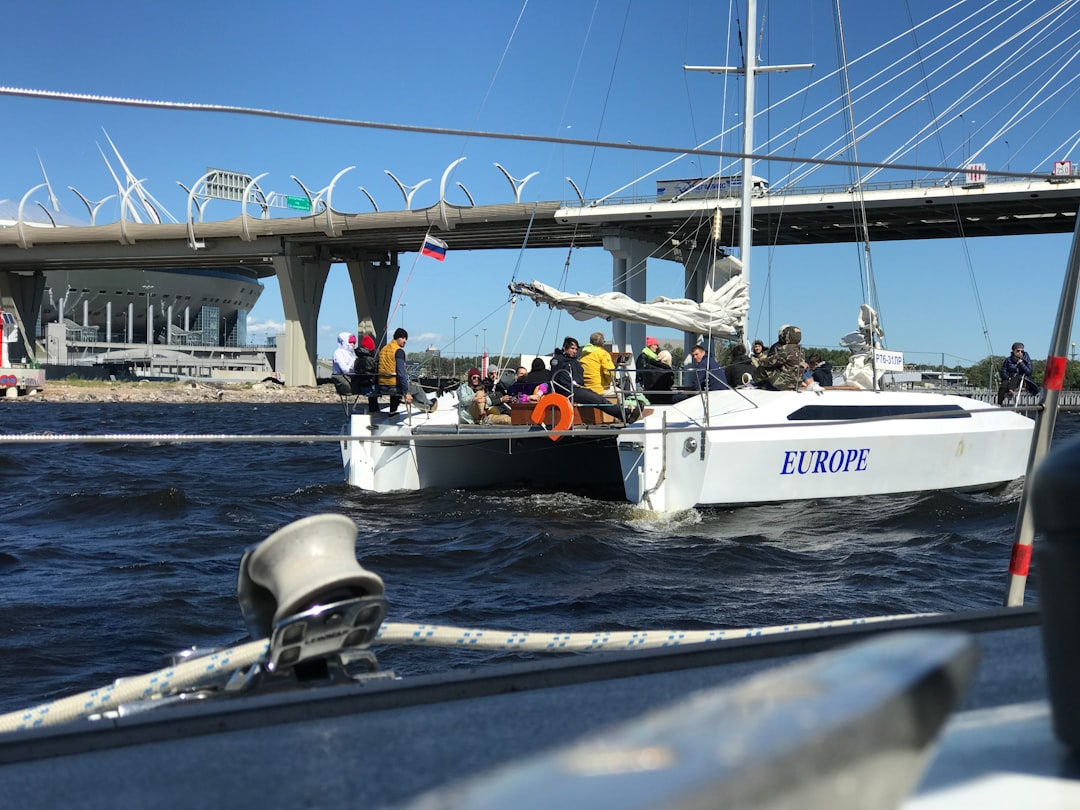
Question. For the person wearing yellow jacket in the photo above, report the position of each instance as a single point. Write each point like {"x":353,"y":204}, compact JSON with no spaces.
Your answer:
{"x":598,"y":365}
{"x":393,"y":376}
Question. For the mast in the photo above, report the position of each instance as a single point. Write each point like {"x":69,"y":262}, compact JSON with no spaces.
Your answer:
{"x":749,"y":70}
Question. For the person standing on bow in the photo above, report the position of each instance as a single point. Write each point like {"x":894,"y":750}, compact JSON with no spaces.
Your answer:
{"x":568,"y":379}
{"x":782,"y":370}
{"x":1015,"y":372}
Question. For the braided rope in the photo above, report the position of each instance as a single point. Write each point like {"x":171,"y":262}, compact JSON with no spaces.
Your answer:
{"x":191,"y":673}
{"x":143,"y":687}
{"x":431,"y":635}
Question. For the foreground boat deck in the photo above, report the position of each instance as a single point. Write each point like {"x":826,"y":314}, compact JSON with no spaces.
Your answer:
{"x":389,"y":741}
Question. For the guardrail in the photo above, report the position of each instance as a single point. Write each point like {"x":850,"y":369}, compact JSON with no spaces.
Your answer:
{"x":802,"y":191}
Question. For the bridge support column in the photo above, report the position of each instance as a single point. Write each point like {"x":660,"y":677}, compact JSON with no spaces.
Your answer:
{"x":703,"y":267}
{"x":302,"y":278}
{"x":373,"y":290}
{"x":22,"y":295}
{"x":628,"y":255}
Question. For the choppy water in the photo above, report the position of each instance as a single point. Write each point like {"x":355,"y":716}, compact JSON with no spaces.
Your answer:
{"x":113,"y":555}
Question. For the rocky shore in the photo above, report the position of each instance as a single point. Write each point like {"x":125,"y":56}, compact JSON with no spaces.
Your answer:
{"x":178,"y":392}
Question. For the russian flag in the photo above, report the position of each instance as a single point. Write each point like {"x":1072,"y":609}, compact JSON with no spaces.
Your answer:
{"x":435,"y":248}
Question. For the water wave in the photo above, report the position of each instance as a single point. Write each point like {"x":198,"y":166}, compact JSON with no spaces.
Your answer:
{"x":116,"y":554}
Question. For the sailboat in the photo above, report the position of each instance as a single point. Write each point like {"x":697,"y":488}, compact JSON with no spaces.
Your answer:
{"x":717,"y":448}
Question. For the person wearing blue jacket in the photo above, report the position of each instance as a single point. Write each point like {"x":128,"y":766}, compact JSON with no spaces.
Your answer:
{"x":1015,"y":372}
{"x":709,"y":376}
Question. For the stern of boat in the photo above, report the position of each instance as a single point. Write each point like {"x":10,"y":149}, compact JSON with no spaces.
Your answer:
{"x":380,"y":457}
{"x":646,"y":451}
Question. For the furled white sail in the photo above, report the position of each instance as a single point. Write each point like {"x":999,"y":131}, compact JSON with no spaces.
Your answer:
{"x":719,"y":315}
{"x":861,"y":343}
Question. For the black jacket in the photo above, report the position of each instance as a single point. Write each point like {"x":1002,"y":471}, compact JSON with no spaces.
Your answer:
{"x":822,"y":375}
{"x":566,"y":372}
{"x":365,"y":366}
{"x":735,"y":371}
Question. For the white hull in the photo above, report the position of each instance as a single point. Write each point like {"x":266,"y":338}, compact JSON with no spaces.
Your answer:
{"x":432,"y":451}
{"x":761,"y":447}
{"x":757,"y":447}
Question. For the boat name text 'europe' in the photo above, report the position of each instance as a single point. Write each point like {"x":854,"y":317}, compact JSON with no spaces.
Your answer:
{"x":810,"y":462}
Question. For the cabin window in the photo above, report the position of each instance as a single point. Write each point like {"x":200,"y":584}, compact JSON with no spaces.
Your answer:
{"x":841,"y":412}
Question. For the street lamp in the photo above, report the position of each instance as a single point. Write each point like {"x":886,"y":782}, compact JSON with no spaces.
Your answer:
{"x":149,"y":329}
{"x":967,"y":148}
{"x":403,"y":315}
{"x":453,"y":348}
{"x":149,"y":323}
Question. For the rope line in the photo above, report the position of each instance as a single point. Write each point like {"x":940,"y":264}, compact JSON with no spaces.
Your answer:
{"x":191,"y":673}
{"x":144,"y":687}
{"x":90,"y":98}
{"x":452,"y":435}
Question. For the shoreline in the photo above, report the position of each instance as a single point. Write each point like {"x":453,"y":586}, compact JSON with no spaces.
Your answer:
{"x":177,"y":392}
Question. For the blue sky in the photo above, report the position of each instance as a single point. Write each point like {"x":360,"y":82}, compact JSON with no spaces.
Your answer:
{"x":609,"y":70}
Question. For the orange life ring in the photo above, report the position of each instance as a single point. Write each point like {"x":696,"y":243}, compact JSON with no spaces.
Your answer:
{"x":562,"y":405}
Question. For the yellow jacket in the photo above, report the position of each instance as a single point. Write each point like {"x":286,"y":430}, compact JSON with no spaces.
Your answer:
{"x":387,"y":374}
{"x":598,"y":368}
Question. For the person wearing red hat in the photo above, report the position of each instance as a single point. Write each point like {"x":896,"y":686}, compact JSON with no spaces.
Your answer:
{"x":473,"y":399}
{"x":364,"y":372}
{"x":651,"y":373}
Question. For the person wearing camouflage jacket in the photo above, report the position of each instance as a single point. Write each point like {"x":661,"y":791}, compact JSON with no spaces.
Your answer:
{"x":782,"y":371}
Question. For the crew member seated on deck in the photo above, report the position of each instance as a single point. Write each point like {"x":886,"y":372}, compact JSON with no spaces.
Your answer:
{"x":344,"y":360}
{"x":1016,"y":372}
{"x":709,"y":376}
{"x":568,"y":379}
{"x":597,"y":366}
{"x":393,"y":377}
{"x":782,"y":370}
{"x":650,"y":371}
{"x":662,"y":393}
{"x":532,"y":385}
{"x":741,"y":368}
{"x":820,"y":370}
{"x":364,"y":371}
{"x":472,"y":398}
